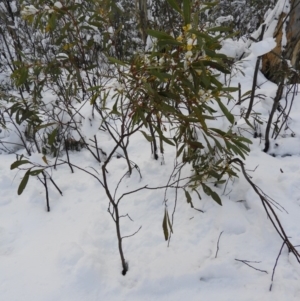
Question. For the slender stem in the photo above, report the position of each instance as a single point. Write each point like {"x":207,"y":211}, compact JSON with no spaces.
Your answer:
{"x":255,"y":76}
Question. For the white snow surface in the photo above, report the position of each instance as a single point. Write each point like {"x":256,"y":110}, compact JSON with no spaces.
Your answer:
{"x":263,"y":47}
{"x":71,"y":252}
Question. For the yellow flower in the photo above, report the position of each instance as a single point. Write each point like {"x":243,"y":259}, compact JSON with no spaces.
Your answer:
{"x":187,"y":27}
{"x":179,"y":39}
{"x":189,"y":47}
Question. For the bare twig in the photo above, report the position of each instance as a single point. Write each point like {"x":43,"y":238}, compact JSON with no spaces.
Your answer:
{"x":218,"y":244}
{"x":246,"y":262}
{"x":275,"y":265}
{"x":255,"y":75}
{"x":67,"y":152}
{"x":267,"y":204}
{"x":132,"y":233}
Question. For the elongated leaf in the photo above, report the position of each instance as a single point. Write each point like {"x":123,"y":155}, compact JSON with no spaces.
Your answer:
{"x":188,"y":198}
{"x":216,"y":198}
{"x":180,"y":150}
{"x":116,"y":61}
{"x":52,"y":136}
{"x":18,"y":163}
{"x":241,"y":145}
{"x":244,"y":140}
{"x":211,"y":193}
{"x":165,"y":226}
{"x":36,"y":172}
{"x":223,"y":134}
{"x":169,"y":223}
{"x":163,"y":138}
{"x":44,"y":126}
{"x":216,"y":65}
{"x":247,"y":93}
{"x":219,"y":28}
{"x":187,"y":11}
{"x":23,"y":182}
{"x":251,"y":125}
{"x":148,"y":137}
{"x":237,"y":151}
{"x":230,"y":89}
{"x":228,"y":115}
{"x":45,"y":159}
{"x":220,"y":182}
{"x":160,"y":35}
{"x":174,"y":4}
{"x":165,"y":42}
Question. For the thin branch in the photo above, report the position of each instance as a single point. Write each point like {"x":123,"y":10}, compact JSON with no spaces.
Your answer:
{"x":275,"y":265}
{"x":218,"y":244}
{"x":255,"y":75}
{"x":67,"y":152}
{"x":50,"y":178}
{"x":270,"y":211}
{"x":132,"y":233}
{"x":84,"y":170}
{"x":127,"y":215}
{"x":246,"y":263}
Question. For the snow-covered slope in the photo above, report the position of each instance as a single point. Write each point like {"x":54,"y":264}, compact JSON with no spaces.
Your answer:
{"x":223,"y":253}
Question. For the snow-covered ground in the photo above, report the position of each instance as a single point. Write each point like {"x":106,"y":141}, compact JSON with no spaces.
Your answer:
{"x":71,"y":252}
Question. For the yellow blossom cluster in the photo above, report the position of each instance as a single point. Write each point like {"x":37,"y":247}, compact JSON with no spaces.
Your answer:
{"x":191,"y":39}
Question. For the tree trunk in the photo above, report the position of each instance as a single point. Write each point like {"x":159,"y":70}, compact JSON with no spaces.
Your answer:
{"x":274,"y":64}
{"x":293,"y":35}
{"x":142,"y":18}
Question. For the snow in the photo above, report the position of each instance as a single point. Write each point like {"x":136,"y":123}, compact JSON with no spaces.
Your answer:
{"x":57,"y":4}
{"x":71,"y":252}
{"x":263,"y":47}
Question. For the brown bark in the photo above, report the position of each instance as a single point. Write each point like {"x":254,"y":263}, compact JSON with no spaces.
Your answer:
{"x":274,"y":64}
{"x":293,"y":35}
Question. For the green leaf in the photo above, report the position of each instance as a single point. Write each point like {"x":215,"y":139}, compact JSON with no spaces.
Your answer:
{"x":188,"y":198}
{"x":169,"y":223}
{"x":241,"y":145}
{"x":174,"y":5}
{"x":160,"y":35}
{"x":115,"y":109}
{"x":230,"y":89}
{"x":162,"y":137}
{"x":165,"y":42}
{"x":216,"y":65}
{"x":116,"y":61}
{"x":237,"y":151}
{"x":44,"y":126}
{"x":247,"y":93}
{"x":165,"y":225}
{"x":251,"y":125}
{"x":211,"y":193}
{"x":148,"y":137}
{"x":220,"y":28}
{"x":216,"y":198}
{"x":36,"y":172}
{"x":223,"y":134}
{"x":220,"y":182}
{"x":180,"y":150}
{"x":245,"y":140}
{"x":23,"y":182}
{"x":45,"y":159}
{"x":187,"y":11}
{"x":52,"y":136}
{"x":228,"y":115}
{"x":18,"y":163}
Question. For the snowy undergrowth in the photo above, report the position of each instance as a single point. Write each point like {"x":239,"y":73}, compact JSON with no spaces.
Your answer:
{"x":71,"y":253}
